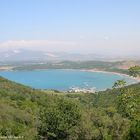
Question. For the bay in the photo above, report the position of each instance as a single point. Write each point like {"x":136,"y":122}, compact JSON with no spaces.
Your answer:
{"x":64,"y":79}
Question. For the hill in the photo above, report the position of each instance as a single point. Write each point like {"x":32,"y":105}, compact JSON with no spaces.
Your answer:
{"x":114,"y":66}
{"x":31,"y":114}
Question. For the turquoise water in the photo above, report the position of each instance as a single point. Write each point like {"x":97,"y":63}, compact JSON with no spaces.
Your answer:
{"x":64,"y":79}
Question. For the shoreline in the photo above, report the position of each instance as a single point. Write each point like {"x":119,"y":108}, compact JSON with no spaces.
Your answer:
{"x":116,"y":73}
{"x":137,"y":79}
{"x":84,"y":70}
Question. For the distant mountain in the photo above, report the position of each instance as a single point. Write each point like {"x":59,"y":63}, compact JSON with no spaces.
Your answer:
{"x":31,"y":55}
{"x":20,"y":54}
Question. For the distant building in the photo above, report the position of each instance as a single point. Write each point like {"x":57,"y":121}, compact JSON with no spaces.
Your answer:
{"x":83,"y":90}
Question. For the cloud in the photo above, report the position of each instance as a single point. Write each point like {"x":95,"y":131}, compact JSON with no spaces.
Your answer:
{"x":33,"y":43}
{"x":22,"y":43}
{"x":105,"y":45}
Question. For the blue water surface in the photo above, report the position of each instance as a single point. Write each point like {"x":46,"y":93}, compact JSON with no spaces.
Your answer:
{"x":64,"y":79}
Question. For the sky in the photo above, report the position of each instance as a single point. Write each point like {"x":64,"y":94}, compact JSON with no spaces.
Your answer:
{"x":77,"y":26}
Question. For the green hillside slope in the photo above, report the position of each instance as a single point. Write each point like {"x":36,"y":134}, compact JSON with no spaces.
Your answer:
{"x":31,"y":114}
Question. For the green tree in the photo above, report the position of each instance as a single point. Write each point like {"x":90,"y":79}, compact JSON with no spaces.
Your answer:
{"x":59,"y":121}
{"x":134,"y":71}
{"x":119,"y":84}
{"x":129,"y":103}
{"x":129,"y":107}
{"x":134,"y":132}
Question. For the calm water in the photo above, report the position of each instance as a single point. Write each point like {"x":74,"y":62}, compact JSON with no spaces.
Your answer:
{"x":64,"y":79}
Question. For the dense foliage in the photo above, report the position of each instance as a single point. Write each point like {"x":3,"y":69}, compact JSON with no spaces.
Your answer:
{"x":134,"y":71}
{"x":119,"y":84}
{"x":48,"y":115}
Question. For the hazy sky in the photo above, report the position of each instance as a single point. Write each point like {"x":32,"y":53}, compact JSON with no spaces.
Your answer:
{"x":84,"y":26}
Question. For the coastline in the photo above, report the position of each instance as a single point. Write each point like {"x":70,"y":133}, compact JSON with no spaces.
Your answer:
{"x":9,"y":68}
{"x":117,"y":73}
{"x":6,"y":68}
{"x":109,"y":72}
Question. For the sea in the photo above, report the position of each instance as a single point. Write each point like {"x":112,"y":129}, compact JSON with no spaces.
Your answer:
{"x":63,"y":80}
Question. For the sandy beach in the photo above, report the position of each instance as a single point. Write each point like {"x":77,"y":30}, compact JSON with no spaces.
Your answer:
{"x":117,"y":73}
{"x":5,"y":68}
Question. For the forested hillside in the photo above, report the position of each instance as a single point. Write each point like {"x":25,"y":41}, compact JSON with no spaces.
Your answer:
{"x":31,"y":114}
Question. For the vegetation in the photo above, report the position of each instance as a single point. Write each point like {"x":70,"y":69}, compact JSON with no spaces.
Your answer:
{"x":134,"y":71}
{"x":119,"y":84}
{"x":100,"y":65}
{"x":48,"y":115}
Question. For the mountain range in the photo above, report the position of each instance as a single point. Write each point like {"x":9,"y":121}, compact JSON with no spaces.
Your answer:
{"x":32,"y":55}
